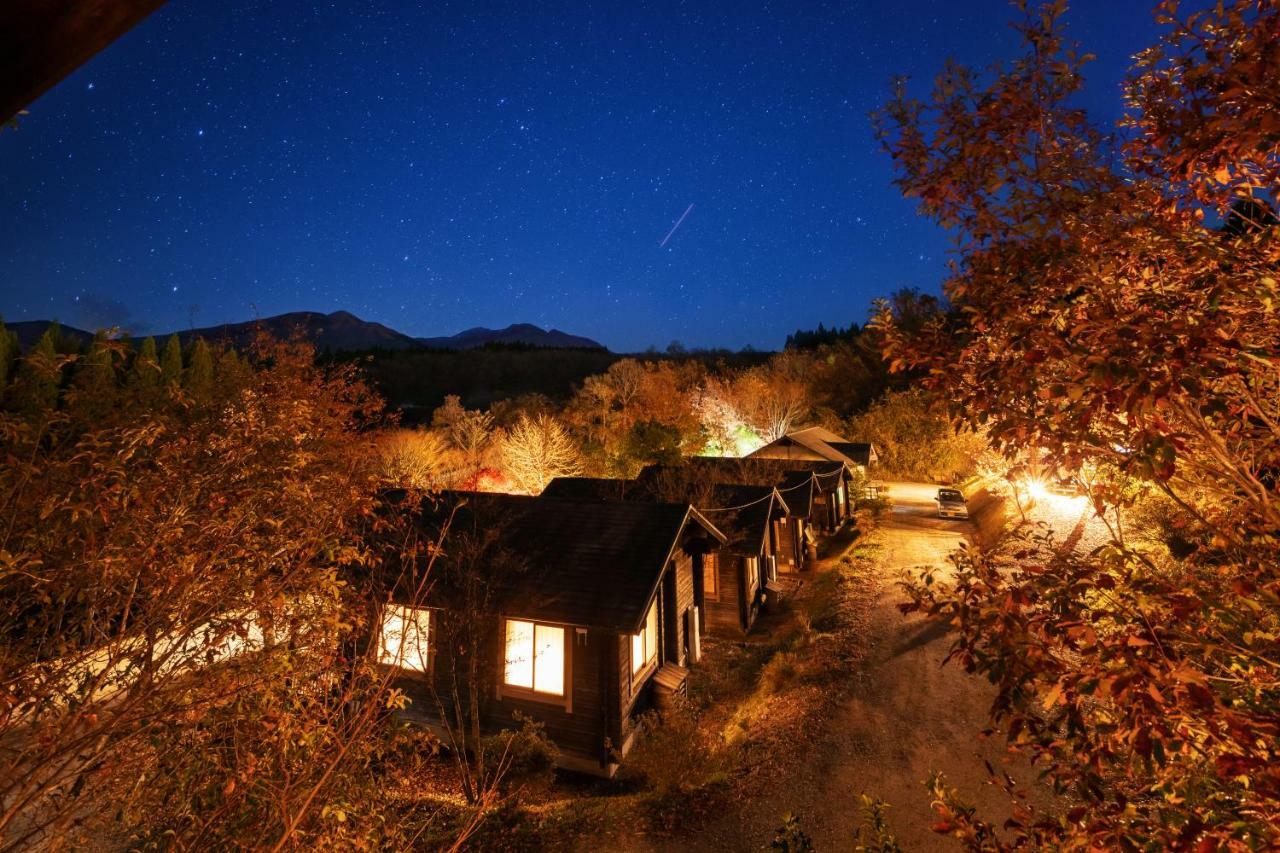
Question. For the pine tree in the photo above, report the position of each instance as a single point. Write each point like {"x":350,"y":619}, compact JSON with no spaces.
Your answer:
{"x":231,"y":371}
{"x":143,"y":382}
{"x":94,"y":390}
{"x":8,"y":355}
{"x":198,"y":379}
{"x":35,"y":388}
{"x":171,"y":363}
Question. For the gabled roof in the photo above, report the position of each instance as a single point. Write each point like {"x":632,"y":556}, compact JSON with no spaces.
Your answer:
{"x":817,"y":443}
{"x":794,"y":479}
{"x":819,"y":433}
{"x":743,"y":513}
{"x":592,"y":563}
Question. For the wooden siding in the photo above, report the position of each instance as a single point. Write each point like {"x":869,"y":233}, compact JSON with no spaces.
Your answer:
{"x":578,"y":723}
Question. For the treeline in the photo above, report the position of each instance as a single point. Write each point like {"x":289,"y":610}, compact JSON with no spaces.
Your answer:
{"x":658,"y":409}
{"x":417,"y":381}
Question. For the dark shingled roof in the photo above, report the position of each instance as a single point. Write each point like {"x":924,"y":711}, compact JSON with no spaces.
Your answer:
{"x":788,"y":475}
{"x":589,"y":489}
{"x":742,"y":513}
{"x":586,"y":562}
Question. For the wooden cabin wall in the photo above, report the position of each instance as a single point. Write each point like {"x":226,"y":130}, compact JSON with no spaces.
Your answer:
{"x":579,"y":729}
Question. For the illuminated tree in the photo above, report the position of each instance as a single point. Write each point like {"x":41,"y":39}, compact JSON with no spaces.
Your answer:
{"x":537,"y":450}
{"x":417,"y":458}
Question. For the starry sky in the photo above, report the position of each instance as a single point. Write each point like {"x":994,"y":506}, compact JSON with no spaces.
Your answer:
{"x":439,"y":166}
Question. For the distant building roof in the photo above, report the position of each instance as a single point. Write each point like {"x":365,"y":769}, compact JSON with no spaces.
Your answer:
{"x":589,"y":489}
{"x":585,"y":562}
{"x":741,"y":511}
{"x":816,"y":443}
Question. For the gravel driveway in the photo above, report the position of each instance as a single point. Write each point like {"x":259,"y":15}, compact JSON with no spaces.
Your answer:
{"x":907,"y":717}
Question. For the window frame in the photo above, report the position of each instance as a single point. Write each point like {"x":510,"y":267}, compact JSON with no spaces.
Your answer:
{"x":515,"y":691}
{"x":639,"y":674}
{"x":429,"y":652}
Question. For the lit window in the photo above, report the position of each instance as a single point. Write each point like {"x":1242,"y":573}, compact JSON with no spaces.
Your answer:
{"x":404,"y":637}
{"x":644,"y":646}
{"x":534,"y":657}
{"x":753,"y":575}
{"x":711,"y":576}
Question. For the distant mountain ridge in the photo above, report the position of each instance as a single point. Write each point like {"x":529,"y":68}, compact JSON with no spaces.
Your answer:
{"x":517,"y":333}
{"x":343,"y":330}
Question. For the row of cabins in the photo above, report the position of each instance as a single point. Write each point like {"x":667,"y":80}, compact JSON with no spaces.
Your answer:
{"x":584,"y":607}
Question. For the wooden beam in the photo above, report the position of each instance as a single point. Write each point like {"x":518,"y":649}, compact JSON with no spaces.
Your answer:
{"x":42,"y":41}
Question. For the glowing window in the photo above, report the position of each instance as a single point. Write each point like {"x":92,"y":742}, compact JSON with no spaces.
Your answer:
{"x":405,"y":631}
{"x":753,"y":575}
{"x":535,"y":658}
{"x":644,"y":646}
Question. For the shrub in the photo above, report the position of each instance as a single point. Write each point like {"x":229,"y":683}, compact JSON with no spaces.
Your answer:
{"x":672,"y":753}
{"x":530,"y":754}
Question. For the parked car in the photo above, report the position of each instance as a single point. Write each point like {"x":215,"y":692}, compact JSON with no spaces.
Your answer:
{"x":951,"y":504}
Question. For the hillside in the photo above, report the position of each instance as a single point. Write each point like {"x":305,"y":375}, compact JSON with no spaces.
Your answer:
{"x":341,"y":331}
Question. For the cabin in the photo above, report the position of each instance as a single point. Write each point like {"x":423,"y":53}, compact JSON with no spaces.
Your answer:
{"x":740,"y":578}
{"x":579,"y":615}
{"x":817,"y":444}
{"x":834,"y":499}
{"x":734,"y":582}
{"x":808,"y":499}
{"x":833,"y":491}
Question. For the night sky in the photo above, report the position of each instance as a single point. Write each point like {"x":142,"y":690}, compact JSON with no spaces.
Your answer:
{"x":440,"y":166}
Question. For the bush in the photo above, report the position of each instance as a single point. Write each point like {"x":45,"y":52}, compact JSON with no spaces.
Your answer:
{"x":530,"y":753}
{"x":672,"y":753}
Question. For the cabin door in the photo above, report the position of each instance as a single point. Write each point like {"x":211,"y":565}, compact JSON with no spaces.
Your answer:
{"x":672,"y":646}
{"x":692,"y":635}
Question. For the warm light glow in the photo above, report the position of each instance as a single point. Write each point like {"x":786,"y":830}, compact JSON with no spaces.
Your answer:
{"x":548,"y":659}
{"x":1037,"y":489}
{"x":534,"y":657}
{"x":404,"y":637}
{"x":644,"y":646}
{"x":1040,"y":492}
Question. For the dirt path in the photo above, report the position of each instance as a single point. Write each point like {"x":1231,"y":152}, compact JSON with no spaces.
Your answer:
{"x":907,"y":717}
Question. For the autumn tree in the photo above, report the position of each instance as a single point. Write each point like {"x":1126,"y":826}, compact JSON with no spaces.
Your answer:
{"x":916,"y":439}
{"x":537,"y":450}
{"x":1103,"y":319}
{"x":182,"y":590}
{"x":417,"y":458}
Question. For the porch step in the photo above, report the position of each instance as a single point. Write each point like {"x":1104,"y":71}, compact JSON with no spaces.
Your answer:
{"x":669,"y":682}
